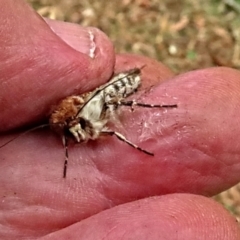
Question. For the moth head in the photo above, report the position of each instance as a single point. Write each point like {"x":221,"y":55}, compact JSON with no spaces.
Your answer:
{"x":81,"y":129}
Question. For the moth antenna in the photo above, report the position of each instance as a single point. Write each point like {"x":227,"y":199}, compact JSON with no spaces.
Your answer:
{"x":123,"y":139}
{"x":24,"y":133}
{"x":135,"y":70}
{"x":143,"y":66}
{"x":65,"y":144}
{"x":133,"y":103}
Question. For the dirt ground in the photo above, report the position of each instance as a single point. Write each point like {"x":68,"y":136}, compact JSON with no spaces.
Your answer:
{"x":183,"y":34}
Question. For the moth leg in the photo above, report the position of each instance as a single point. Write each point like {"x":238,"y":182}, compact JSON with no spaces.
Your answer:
{"x":122,"y":138}
{"x":65,"y":144}
{"x":133,"y":103}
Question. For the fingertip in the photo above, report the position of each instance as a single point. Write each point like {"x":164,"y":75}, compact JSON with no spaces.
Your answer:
{"x":175,"y":216}
{"x":87,"y":40}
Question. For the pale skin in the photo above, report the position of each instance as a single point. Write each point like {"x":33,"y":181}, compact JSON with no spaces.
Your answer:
{"x":108,"y":189}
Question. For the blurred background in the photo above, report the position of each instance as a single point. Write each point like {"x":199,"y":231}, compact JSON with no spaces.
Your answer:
{"x":183,"y":34}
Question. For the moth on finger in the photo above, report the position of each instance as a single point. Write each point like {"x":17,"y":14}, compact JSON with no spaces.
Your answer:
{"x":85,"y":117}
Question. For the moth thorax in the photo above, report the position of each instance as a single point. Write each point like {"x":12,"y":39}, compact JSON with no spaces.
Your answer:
{"x":65,"y":113}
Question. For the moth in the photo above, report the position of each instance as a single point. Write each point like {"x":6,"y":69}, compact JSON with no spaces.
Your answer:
{"x":85,"y":117}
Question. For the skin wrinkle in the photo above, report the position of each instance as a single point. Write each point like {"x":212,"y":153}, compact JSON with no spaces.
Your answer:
{"x":204,"y":152}
{"x":203,"y":148}
{"x":140,"y":115}
{"x":108,"y":177}
{"x":111,"y":230}
{"x":205,"y":157}
{"x":102,"y":178}
{"x":120,"y":186}
{"x":151,"y":116}
{"x":156,"y":128}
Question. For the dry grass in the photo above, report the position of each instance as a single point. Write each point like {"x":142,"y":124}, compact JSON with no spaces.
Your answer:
{"x":183,"y":34}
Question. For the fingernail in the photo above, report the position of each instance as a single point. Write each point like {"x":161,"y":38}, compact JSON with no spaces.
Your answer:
{"x":80,"y":38}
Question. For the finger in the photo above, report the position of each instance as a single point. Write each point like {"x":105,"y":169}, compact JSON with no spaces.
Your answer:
{"x":196,"y":142}
{"x":176,"y":216}
{"x":42,"y":63}
{"x":195,"y":146}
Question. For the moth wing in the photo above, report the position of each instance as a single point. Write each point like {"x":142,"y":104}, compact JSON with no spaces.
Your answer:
{"x":94,"y":107}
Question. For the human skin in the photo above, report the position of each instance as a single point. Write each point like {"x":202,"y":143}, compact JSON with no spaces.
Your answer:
{"x":111,"y":191}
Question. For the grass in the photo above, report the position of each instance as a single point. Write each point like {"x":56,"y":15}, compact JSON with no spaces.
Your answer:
{"x":183,"y":34}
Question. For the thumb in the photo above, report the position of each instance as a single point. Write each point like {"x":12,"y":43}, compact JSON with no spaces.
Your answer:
{"x":43,"y":61}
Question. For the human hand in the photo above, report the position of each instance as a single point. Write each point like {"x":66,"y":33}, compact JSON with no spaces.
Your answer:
{"x":196,"y":145}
